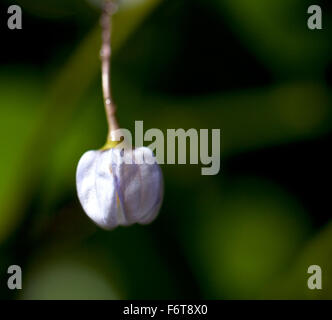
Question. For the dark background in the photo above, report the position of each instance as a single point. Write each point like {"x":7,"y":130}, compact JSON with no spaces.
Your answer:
{"x":251,"y":68}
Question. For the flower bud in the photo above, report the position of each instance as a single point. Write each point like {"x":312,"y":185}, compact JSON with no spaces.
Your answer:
{"x":120,"y":187}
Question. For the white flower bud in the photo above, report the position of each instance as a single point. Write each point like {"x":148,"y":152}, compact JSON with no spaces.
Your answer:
{"x":114,"y":192}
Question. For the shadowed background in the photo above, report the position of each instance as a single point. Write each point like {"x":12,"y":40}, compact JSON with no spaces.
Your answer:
{"x":249,"y":67}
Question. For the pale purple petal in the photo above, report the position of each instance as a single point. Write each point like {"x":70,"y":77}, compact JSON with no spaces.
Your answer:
{"x":113,"y":192}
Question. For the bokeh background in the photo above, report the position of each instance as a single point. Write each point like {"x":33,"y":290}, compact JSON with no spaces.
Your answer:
{"x":249,"y":67}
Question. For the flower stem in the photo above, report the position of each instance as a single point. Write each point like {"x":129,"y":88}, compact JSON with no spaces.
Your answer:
{"x":108,"y":10}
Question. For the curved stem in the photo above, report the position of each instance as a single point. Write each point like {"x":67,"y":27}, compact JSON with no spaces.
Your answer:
{"x":106,"y":24}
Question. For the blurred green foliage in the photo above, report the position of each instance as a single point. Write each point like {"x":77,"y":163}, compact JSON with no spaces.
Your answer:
{"x":242,"y":234}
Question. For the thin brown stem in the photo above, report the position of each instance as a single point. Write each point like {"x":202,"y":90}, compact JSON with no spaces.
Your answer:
{"x":109,"y":8}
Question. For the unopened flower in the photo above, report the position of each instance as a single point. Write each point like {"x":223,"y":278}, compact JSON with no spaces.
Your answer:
{"x":117,"y":186}
{"x":120,"y":187}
